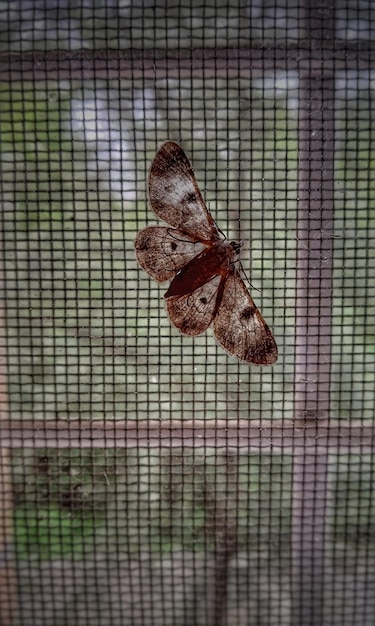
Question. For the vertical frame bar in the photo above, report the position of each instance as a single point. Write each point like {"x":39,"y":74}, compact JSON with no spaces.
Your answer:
{"x":315,"y":248}
{"x":313,"y":318}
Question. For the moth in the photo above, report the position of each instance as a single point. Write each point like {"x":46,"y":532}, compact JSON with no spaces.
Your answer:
{"x":207,"y":287}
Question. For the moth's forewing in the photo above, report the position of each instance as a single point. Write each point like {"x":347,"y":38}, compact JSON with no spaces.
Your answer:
{"x":175,"y":196}
{"x":192,"y":313}
{"x":240,"y":328}
{"x":163,"y":251}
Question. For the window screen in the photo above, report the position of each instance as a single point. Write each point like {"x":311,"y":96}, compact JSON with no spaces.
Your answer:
{"x":148,"y":477}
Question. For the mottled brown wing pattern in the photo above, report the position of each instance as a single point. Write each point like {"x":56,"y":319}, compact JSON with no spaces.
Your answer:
{"x":193,"y":313}
{"x":175,"y":196}
{"x":162,"y":251}
{"x":206,"y":286}
{"x":240,"y":328}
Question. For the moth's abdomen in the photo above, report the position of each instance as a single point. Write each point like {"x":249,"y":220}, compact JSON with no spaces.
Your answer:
{"x":214,"y":261}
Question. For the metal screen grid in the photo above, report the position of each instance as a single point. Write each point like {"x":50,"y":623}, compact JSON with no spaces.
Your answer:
{"x":147,"y":477}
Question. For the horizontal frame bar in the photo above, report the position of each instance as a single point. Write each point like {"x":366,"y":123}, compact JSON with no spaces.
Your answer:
{"x":273,"y":436}
{"x":184,"y":63}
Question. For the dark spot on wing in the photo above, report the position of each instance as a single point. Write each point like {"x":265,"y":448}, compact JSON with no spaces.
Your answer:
{"x":173,"y":246}
{"x":203,"y":300}
{"x":190,"y":198}
{"x":142,"y":246}
{"x":247,"y":313}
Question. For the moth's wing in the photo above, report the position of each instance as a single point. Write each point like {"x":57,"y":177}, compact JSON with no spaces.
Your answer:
{"x":193,"y":313}
{"x":162,"y":251}
{"x":240,"y":328}
{"x":175,"y":196}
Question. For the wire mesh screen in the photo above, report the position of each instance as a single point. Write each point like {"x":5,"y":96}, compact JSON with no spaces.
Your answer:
{"x":149,"y":476}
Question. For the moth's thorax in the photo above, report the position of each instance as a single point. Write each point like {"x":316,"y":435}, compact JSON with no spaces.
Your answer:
{"x":228,"y":250}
